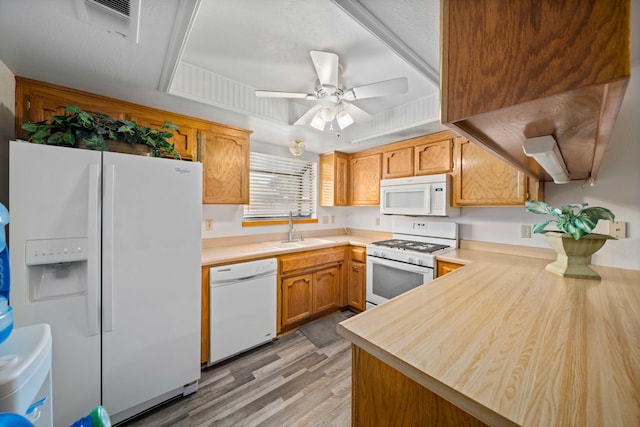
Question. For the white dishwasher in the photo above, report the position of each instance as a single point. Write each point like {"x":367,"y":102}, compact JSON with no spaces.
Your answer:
{"x":242,"y":307}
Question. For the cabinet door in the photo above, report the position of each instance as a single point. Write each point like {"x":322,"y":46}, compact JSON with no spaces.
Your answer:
{"x":297,"y":298}
{"x":356,"y":285}
{"x":326,"y":284}
{"x":433,"y":157}
{"x":224,"y":154}
{"x":184,"y":139}
{"x":397,"y":163}
{"x":35,"y":103}
{"x":365,"y":180}
{"x":342,"y":180}
{"x":447,"y":267}
{"x":481,"y":179}
{"x":334,"y":179}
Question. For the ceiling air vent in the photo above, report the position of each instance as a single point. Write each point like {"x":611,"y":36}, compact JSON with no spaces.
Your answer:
{"x":120,"y":17}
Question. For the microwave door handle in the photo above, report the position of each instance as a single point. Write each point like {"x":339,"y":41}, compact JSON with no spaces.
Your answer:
{"x":427,"y":198}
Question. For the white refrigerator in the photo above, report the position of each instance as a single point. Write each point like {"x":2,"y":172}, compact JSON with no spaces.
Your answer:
{"x":105,"y":248}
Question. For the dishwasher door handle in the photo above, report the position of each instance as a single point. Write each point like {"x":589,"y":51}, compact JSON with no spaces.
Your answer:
{"x":242,"y":279}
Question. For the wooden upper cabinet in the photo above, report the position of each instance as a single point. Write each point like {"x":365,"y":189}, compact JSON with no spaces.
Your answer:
{"x":334,"y":179}
{"x":185,"y":139}
{"x":512,"y":70}
{"x":481,"y":179}
{"x":433,"y":157}
{"x":397,"y":163}
{"x":37,"y":101}
{"x":224,"y":153}
{"x":365,"y":180}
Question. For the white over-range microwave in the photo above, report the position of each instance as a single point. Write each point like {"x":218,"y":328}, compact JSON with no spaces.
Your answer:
{"x":428,"y":195}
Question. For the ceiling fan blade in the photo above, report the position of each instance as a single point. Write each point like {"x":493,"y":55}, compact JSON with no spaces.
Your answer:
{"x":326,"y":65}
{"x":276,"y":94}
{"x":358,"y":114}
{"x":306,"y":118}
{"x":387,"y":87}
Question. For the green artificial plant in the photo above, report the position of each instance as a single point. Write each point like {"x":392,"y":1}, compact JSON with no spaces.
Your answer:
{"x":576,"y":219}
{"x":94,"y":129}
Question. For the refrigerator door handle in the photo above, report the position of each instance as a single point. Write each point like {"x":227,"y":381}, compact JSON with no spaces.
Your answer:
{"x":93,"y":227}
{"x":107,"y":248}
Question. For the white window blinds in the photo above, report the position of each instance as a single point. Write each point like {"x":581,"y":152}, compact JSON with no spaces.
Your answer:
{"x":279,"y":185}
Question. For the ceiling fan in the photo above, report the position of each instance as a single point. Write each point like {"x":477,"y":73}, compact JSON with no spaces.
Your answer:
{"x":334,"y":99}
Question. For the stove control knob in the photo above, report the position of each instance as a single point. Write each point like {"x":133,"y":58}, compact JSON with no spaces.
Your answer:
{"x":420,"y":261}
{"x":374,"y":253}
{"x":412,"y":261}
{"x":383,"y":255}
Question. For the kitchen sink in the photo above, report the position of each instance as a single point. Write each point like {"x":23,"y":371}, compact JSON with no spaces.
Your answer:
{"x":297,"y":243}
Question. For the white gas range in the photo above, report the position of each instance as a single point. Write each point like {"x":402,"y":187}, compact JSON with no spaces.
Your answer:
{"x":398,"y":265}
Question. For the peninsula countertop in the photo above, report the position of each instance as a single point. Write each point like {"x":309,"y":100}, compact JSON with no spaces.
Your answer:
{"x":513,"y":344}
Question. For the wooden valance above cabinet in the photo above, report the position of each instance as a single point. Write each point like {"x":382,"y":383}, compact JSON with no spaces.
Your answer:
{"x":513,"y":70}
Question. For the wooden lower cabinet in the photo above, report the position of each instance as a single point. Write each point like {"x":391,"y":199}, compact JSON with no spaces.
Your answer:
{"x":311,"y":285}
{"x":445,"y":267}
{"x":297,"y":298}
{"x":204,"y":316}
{"x":356,"y":279}
{"x":383,"y":396}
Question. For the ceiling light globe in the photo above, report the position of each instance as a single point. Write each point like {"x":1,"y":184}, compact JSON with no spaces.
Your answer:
{"x":296,"y":147}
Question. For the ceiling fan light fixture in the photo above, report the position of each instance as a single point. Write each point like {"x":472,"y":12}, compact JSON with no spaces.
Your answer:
{"x":318,"y":122}
{"x":296,"y":147}
{"x":344,"y":119}
{"x":327,"y":113}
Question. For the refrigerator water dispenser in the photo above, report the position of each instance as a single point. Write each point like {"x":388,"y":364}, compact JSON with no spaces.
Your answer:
{"x":56,"y":268}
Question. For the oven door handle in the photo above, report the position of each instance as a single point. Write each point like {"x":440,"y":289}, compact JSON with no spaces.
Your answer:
{"x":397,"y":264}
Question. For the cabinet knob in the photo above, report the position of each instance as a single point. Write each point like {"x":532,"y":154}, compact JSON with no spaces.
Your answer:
{"x":354,"y":268}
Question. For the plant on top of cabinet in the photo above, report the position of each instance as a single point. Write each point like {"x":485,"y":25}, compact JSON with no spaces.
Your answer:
{"x":95,"y":131}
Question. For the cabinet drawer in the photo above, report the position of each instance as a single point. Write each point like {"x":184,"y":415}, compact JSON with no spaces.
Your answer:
{"x":303,"y":260}
{"x":358,"y":254}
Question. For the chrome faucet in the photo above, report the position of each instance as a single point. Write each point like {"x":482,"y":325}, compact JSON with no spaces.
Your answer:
{"x":292,"y":232}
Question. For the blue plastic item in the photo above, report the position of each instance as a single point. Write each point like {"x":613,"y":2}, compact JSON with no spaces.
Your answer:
{"x":5,"y":277}
{"x":6,"y":314}
{"x":14,"y":420}
{"x":98,"y":417}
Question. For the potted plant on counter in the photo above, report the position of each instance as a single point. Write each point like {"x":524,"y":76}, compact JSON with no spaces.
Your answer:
{"x":97,"y":131}
{"x":574,"y":242}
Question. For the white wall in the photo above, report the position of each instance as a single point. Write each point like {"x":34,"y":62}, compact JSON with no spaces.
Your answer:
{"x":7,"y":127}
{"x":617,"y":188}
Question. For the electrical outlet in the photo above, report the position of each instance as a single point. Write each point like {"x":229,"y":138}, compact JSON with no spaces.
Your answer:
{"x":208,"y":224}
{"x":325,"y":219}
{"x":618,"y":229}
{"x":525,"y":231}
{"x":377,"y":220}
{"x":333,"y":219}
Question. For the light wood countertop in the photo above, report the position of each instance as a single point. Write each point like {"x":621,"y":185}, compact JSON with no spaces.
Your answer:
{"x":513,"y":344}
{"x":230,"y":250}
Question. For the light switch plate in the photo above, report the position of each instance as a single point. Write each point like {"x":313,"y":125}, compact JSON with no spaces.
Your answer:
{"x":618,"y":229}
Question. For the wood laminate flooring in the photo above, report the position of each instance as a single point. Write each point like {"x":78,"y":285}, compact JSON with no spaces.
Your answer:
{"x":289,"y":382}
